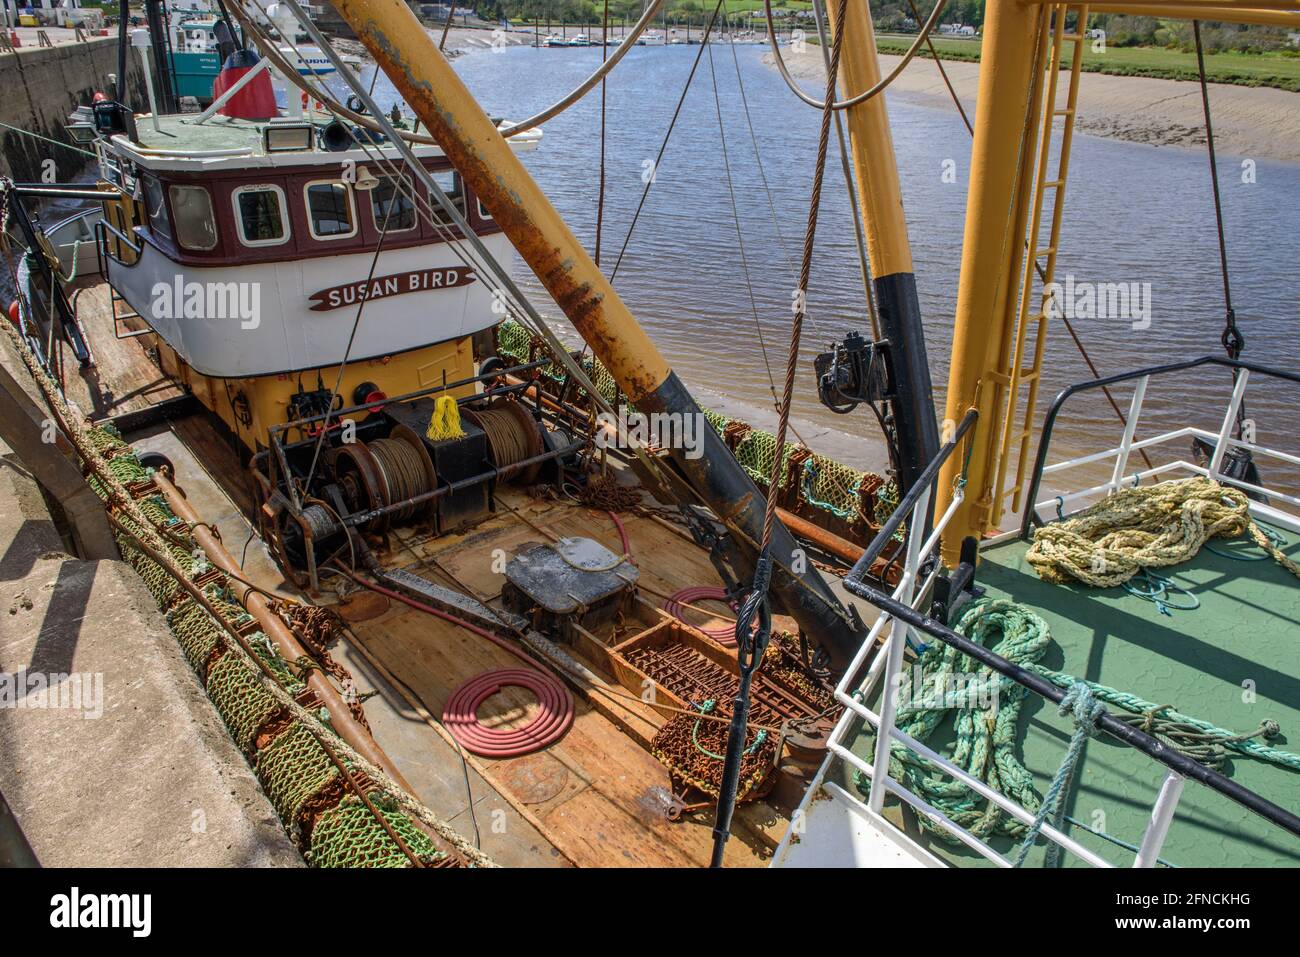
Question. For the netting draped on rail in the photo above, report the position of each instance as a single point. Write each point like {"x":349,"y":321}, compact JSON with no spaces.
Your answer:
{"x":331,"y":826}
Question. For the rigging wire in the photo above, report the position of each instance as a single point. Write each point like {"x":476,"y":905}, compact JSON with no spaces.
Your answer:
{"x":740,"y":237}
{"x":1042,"y":275}
{"x":600,"y":190}
{"x":585,"y":87}
{"x":858,"y":234}
{"x":505,"y":289}
{"x":650,"y":180}
{"x":347,"y":352}
{"x":805,"y":271}
{"x":865,"y":94}
{"x":1233,"y":340}
{"x":751,"y":645}
{"x":938,"y":61}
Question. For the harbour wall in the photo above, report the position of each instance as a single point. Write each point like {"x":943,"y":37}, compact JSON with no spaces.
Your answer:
{"x":42,"y":85}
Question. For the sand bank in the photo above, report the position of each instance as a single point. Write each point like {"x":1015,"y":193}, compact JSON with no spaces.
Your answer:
{"x":1249,"y":122}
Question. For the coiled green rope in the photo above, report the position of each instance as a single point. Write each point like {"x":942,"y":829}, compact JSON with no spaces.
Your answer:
{"x":986,"y":713}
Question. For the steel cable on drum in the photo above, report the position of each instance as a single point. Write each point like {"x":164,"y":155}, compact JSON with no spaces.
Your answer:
{"x":402,"y":472}
{"x":507,"y":440}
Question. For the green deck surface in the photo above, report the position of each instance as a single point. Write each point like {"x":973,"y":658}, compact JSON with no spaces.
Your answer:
{"x":180,"y":132}
{"x":1244,"y":637}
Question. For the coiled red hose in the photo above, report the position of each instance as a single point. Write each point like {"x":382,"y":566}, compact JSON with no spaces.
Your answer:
{"x":460,"y":716}
{"x":676,"y":606}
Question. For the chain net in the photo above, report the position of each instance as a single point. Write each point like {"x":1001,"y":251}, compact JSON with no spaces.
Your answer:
{"x":848,"y":493}
{"x":331,"y":826}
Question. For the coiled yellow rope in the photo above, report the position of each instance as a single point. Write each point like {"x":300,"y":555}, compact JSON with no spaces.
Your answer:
{"x":1137,"y":528}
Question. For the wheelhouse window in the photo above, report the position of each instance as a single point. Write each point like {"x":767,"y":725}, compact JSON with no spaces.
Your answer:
{"x":196,"y":226}
{"x":483,"y":211}
{"x":329,"y":210}
{"x":390,"y":202}
{"x":155,"y":206}
{"x":449,"y":182}
{"x":260,"y":215}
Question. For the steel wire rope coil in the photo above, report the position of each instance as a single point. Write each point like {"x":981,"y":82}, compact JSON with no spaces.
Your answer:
{"x":460,"y":716}
{"x":512,"y":435}
{"x":383,"y":472}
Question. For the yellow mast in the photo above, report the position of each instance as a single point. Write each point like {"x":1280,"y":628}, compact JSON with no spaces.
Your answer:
{"x":992,"y":248}
{"x":998,"y":210}
{"x":875,"y":167}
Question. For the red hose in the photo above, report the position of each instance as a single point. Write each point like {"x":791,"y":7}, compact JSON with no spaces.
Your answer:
{"x":676,"y":606}
{"x":622,"y":534}
{"x":460,"y":716}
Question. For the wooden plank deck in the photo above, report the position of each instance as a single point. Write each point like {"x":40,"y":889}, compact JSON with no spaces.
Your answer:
{"x":597,"y":794}
{"x":123,"y":378}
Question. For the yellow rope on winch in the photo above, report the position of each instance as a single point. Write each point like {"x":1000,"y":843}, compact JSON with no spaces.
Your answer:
{"x":1137,"y":528}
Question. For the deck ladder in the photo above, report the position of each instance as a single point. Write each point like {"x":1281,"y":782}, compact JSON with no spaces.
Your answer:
{"x":1024,"y":370}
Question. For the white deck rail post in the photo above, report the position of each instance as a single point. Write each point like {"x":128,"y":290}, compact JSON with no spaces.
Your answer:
{"x":1162,"y":815}
{"x":894,"y":663}
{"x":1229,"y":419}
{"x":1130,"y":428}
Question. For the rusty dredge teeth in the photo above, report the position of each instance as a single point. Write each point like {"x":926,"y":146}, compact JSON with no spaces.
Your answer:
{"x":785,"y":695}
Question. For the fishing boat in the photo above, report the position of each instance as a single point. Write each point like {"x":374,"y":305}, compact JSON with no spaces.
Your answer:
{"x":197,"y":43}
{"x":658,"y":635}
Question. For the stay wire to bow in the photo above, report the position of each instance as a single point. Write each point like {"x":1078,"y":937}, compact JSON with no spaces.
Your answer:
{"x":859,"y":238}
{"x":751,"y":642}
{"x":1233,"y":341}
{"x":681,"y":100}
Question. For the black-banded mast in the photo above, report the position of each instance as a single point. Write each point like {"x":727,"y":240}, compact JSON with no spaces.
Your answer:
{"x":888,"y":250}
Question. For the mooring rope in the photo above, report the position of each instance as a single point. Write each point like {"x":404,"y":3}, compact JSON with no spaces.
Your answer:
{"x":985,"y":708}
{"x":1080,"y":703}
{"x":1139,"y":528}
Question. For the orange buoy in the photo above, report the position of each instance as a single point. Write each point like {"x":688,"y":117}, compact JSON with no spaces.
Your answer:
{"x":14,"y":315}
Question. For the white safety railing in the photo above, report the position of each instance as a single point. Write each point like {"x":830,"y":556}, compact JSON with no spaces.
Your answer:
{"x":1221,"y":442}
{"x":913,"y":591}
{"x":920,"y":551}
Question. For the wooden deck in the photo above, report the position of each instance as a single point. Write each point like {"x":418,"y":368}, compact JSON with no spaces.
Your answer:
{"x":596,"y":797}
{"x":123,"y":378}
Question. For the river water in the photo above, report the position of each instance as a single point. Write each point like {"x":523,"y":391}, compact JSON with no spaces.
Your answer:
{"x":695,"y":277}
{"x":1134,"y":214}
